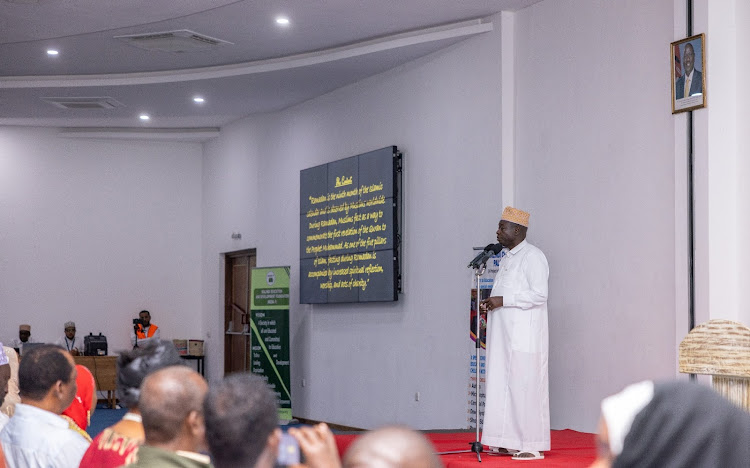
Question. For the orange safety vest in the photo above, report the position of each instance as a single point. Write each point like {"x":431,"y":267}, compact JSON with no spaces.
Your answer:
{"x":151,"y":330}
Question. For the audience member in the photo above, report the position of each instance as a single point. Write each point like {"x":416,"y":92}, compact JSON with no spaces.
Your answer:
{"x":118,"y":445}
{"x":36,"y":435}
{"x":144,"y":331}
{"x":672,"y":424}
{"x":78,"y":414}
{"x":242,"y":422}
{"x":171,"y":405}
{"x":69,"y":341}
{"x":391,"y":447}
{"x":9,"y":404}
{"x":24,"y":336}
{"x":4,"y":379}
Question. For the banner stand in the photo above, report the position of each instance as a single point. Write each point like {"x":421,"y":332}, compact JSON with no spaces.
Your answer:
{"x":269,"y":330}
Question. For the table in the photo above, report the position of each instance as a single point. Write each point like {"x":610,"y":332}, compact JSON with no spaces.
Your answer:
{"x":104,"y":369}
{"x":199,"y":363}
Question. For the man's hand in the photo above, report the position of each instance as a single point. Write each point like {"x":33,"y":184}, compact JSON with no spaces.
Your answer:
{"x":318,"y":445}
{"x":491,"y":303}
{"x":74,"y":352}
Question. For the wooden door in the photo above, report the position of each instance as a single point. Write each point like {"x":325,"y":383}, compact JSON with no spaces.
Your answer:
{"x":236,"y":311}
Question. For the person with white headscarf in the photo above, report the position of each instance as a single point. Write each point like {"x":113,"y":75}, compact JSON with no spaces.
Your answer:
{"x":672,"y":425}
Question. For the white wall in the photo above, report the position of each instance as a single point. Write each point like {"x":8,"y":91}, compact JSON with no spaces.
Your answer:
{"x":595,"y":166}
{"x":95,"y":231}
{"x":364,"y":363}
{"x":229,"y":205}
{"x":743,"y":148}
{"x":725,"y":156}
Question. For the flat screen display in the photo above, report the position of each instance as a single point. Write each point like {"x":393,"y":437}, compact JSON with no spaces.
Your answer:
{"x":349,"y":229}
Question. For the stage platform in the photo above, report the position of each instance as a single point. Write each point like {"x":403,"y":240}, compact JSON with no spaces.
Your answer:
{"x":569,"y":449}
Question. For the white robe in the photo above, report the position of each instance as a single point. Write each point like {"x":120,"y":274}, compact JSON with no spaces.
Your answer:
{"x":75,"y":343}
{"x":516,"y":413}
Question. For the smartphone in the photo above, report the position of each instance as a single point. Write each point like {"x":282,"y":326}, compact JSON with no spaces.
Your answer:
{"x":289,"y":453}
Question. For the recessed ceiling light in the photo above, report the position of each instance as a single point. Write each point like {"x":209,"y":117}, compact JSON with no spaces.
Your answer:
{"x":199,"y":100}
{"x":144,"y":117}
{"x":282,"y":20}
{"x":52,"y":52}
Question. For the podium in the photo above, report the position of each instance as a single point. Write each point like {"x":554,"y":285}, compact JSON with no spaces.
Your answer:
{"x":104,"y":370}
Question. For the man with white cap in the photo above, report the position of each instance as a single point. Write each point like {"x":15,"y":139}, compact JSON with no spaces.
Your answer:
{"x":69,"y":340}
{"x":516,"y":413}
{"x":24,"y":336}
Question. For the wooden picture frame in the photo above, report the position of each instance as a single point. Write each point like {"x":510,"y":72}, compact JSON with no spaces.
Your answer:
{"x":687,"y":55}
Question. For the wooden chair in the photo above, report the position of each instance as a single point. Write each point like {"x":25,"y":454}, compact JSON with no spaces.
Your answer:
{"x":721,"y":349}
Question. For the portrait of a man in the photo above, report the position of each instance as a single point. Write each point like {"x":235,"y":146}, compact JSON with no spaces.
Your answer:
{"x":688,"y":74}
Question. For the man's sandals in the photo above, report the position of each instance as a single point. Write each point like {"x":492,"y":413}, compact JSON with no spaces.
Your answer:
{"x":501,"y":451}
{"x":528,"y":455}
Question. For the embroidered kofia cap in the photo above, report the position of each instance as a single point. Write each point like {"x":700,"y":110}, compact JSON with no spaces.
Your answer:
{"x":515,"y":216}
{"x":70,"y":324}
{"x":24,"y":327}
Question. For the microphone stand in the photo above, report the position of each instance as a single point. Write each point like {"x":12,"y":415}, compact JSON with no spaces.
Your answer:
{"x":135,"y":330}
{"x":476,"y":446}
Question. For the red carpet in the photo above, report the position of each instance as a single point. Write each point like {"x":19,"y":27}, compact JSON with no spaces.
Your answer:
{"x":569,"y":449}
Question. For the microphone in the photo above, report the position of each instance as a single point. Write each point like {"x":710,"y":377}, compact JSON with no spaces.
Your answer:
{"x":481,"y":259}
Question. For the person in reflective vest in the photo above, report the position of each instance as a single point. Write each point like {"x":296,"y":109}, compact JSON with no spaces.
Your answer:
{"x":143,"y":330}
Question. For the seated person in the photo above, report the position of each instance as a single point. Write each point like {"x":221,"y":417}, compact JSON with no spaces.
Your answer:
{"x":118,"y":445}
{"x":69,"y":341}
{"x":392,"y":447}
{"x":78,"y":414}
{"x":36,"y":435}
{"x":387,"y":447}
{"x":172,"y":408}
{"x":24,"y":336}
{"x":242,"y":423}
{"x":144,"y":331}
{"x":672,"y":424}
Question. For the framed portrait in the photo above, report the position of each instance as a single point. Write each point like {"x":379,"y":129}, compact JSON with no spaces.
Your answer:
{"x":688,"y":74}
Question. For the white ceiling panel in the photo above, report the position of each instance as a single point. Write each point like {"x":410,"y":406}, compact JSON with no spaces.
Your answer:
{"x":266,"y":67}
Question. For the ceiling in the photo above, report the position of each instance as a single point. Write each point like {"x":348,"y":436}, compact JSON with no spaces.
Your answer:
{"x":255,"y":66}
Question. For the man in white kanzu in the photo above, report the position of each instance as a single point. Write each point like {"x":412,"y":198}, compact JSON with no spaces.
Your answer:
{"x":69,"y":341}
{"x":516,"y":413}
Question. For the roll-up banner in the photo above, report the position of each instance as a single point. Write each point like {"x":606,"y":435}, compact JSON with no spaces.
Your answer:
{"x":485,"y":287}
{"x":269,"y":322}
